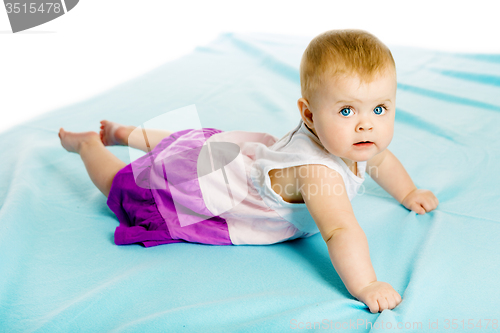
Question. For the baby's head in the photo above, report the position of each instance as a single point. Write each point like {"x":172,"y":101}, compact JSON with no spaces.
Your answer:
{"x":348,"y":85}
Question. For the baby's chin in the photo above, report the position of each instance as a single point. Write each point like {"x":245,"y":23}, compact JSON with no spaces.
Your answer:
{"x":361,"y":156}
{"x":356,"y":154}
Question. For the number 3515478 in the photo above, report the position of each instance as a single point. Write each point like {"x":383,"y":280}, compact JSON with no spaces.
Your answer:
{"x":33,"y":7}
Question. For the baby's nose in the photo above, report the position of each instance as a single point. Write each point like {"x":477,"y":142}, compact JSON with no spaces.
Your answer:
{"x":367,"y":127}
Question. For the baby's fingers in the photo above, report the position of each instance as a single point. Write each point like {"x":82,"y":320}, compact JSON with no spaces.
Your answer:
{"x":391,"y":302}
{"x":434,"y":199}
{"x":394,"y":300}
{"x":429,"y":205}
{"x":398,"y":298}
{"x":373,"y":305}
{"x":383,"y":304}
{"x":417,"y":208}
{"x":423,"y":206}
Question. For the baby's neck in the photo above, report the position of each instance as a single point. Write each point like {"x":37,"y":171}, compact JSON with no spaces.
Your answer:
{"x":352,"y":165}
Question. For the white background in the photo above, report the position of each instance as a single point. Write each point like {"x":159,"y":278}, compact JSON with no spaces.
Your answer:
{"x":99,"y":44}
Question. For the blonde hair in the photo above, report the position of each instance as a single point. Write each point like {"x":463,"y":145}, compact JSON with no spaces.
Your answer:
{"x":342,"y":52}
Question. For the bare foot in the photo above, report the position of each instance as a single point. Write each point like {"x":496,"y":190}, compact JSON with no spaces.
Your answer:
{"x":72,"y":141}
{"x":113,"y":134}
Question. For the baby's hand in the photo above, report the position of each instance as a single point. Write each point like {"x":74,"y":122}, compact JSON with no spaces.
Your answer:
{"x":379,"y":296}
{"x":420,"y":201}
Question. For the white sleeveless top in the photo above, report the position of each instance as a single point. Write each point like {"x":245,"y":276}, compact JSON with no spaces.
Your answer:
{"x":242,"y":194}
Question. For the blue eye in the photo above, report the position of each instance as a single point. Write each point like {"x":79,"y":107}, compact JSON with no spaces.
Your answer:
{"x":379,"y":109}
{"x":344,"y":112}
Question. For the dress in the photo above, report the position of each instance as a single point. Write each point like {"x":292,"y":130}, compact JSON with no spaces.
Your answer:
{"x":212,"y":187}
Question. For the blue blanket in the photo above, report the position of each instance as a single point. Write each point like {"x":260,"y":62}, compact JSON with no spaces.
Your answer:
{"x":61,"y":272}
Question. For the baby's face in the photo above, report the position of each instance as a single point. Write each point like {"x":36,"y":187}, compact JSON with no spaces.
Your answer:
{"x":346,"y":111}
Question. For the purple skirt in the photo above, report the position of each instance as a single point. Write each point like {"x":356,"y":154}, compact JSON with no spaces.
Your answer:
{"x":151,"y":218}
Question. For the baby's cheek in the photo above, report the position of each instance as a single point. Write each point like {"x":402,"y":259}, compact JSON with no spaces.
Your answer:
{"x":338,"y":144}
{"x":385,"y":136}
{"x":389,"y":127}
{"x":340,"y":136}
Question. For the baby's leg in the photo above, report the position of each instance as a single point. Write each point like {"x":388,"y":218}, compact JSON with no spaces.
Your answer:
{"x":100,"y":163}
{"x":135,"y":137}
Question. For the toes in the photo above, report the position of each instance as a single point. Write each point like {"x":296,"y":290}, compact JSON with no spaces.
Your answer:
{"x":103,"y":140}
{"x":101,"y":134}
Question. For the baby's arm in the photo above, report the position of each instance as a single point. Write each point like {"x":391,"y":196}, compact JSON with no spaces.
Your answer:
{"x":389,"y":173}
{"x":325,"y":196}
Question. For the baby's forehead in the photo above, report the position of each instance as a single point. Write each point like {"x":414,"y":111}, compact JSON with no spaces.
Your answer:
{"x":364,"y":76}
{"x":353,"y":86}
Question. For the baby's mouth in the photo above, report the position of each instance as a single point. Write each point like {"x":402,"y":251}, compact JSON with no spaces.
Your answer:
{"x":363,"y":142}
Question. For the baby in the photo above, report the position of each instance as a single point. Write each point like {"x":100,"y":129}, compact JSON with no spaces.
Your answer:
{"x":347,"y":110}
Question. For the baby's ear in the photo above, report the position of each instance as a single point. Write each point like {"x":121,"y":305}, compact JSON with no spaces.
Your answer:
{"x":302,"y":103}
{"x":305,"y":112}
